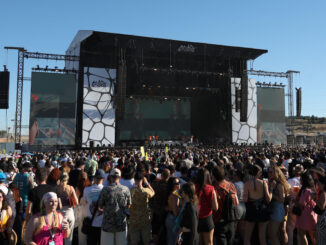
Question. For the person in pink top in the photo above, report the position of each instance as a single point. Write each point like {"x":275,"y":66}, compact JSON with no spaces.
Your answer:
{"x":307,"y":220}
{"x":48,"y":227}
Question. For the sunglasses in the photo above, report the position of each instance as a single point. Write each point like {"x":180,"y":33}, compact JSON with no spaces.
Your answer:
{"x":176,"y":183}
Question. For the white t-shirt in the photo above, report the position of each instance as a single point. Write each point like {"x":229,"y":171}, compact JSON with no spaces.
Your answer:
{"x":91,"y":195}
{"x":127,"y":182}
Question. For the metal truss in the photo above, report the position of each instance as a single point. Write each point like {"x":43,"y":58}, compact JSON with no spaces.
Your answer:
{"x":289,"y":76}
{"x":22,"y":53}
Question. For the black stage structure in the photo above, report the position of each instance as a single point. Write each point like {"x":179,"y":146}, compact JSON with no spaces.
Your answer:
{"x":168,"y":69}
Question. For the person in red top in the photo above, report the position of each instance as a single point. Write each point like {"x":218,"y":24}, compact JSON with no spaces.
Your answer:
{"x":224,"y":230}
{"x":207,"y":203}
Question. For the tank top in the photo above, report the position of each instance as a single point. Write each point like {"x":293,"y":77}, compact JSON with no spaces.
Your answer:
{"x":205,"y":196}
{"x":44,"y":236}
{"x":3,"y":221}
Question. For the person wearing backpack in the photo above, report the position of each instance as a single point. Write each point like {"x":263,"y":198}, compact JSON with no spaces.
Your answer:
{"x":225,"y":216}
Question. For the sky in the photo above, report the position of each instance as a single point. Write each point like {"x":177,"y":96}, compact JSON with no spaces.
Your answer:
{"x":293,"y":32}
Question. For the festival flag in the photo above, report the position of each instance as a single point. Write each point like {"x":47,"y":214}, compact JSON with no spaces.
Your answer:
{"x":142,"y":150}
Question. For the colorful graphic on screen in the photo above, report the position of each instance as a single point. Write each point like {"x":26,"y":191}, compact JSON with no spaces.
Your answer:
{"x":168,"y":118}
{"x":52,"y":112}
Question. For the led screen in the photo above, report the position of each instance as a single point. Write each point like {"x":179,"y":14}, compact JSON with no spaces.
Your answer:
{"x":167,"y":118}
{"x":52,"y":111}
{"x":271,"y":115}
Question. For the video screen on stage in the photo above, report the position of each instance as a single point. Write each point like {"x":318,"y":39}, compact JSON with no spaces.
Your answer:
{"x":167,"y":118}
{"x":52,"y":109}
{"x":271,"y":115}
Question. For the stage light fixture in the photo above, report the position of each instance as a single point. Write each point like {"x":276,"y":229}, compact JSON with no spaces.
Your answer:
{"x":155,"y":69}
{"x":165,"y":98}
{"x":144,"y":85}
{"x":187,"y":88}
{"x":179,"y":99}
{"x":131,"y":97}
{"x":193,"y":88}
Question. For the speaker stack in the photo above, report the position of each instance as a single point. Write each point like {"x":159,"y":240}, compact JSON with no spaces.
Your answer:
{"x":299,"y":101}
{"x":4,"y":89}
{"x":244,"y":98}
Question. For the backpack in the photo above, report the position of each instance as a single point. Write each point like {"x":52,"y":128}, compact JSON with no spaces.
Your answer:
{"x":230,"y":211}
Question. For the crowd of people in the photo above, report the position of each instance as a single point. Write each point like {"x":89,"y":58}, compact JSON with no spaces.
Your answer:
{"x":183,"y":195}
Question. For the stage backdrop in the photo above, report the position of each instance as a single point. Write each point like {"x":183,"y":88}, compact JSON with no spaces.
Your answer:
{"x":244,"y":132}
{"x":167,"y":118}
{"x":98,"y":110}
{"x":53,"y":109}
{"x":271,"y":115}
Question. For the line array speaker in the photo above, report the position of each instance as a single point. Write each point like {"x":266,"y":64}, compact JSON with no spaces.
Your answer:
{"x":299,"y":101}
{"x":4,"y":89}
{"x":244,"y":98}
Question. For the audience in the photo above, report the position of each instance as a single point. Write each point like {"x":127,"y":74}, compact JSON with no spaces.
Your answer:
{"x":177,"y":195}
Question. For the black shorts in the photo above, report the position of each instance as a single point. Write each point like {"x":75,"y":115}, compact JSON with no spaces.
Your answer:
{"x":158,"y":222}
{"x":205,"y":224}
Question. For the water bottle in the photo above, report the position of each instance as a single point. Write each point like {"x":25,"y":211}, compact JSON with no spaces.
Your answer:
{"x":64,"y":231}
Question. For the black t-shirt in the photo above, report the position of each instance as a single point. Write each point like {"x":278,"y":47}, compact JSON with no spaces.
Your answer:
{"x":190,"y":221}
{"x":36,"y":194}
{"x":73,"y":177}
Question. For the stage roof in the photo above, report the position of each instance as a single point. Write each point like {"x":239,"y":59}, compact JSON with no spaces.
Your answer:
{"x":136,"y":42}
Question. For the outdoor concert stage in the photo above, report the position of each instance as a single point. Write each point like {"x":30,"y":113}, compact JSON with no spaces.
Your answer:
{"x":130,"y":88}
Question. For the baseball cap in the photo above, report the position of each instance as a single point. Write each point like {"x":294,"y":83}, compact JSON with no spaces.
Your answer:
{"x":115,"y":172}
{"x":100,"y":174}
{"x":2,"y":176}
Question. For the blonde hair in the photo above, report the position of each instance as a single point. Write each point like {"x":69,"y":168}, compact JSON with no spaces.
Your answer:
{"x":42,"y":219}
{"x":280,"y":178}
{"x":64,"y":177}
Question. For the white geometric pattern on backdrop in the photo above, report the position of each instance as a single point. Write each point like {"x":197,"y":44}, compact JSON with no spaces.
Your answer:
{"x":244,"y":132}
{"x":98,"y":109}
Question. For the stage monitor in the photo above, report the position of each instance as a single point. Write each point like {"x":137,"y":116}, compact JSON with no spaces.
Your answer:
{"x":271,"y":115}
{"x":167,"y":118}
{"x":53,"y":109}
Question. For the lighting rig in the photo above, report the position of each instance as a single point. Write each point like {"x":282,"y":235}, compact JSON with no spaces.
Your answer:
{"x":270,"y":84}
{"x":55,"y":69}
